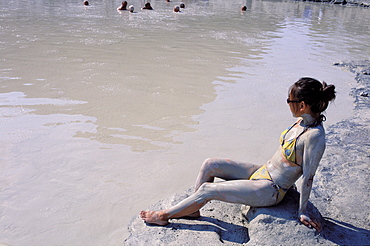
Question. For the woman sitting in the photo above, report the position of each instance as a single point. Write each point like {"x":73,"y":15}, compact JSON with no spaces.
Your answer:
{"x":301,"y":148}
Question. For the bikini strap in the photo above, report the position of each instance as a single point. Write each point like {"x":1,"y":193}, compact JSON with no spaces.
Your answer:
{"x":283,"y":137}
{"x":295,"y":145}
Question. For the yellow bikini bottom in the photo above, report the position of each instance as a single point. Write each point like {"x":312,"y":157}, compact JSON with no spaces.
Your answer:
{"x":263,"y":174}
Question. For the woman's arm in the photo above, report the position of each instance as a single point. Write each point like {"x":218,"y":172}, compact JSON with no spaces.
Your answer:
{"x":314,"y":146}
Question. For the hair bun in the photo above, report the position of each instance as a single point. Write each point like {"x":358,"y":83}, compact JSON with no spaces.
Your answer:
{"x":328,"y":92}
{"x":314,"y":93}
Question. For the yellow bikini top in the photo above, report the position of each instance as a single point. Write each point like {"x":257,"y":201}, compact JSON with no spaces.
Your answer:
{"x":289,"y":146}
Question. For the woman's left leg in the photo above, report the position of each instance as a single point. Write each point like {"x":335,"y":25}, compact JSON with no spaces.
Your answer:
{"x":225,"y":169}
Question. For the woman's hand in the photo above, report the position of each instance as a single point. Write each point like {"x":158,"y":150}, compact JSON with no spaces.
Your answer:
{"x":304,"y":219}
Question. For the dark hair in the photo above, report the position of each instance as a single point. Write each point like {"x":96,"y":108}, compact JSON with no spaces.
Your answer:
{"x":314,"y":93}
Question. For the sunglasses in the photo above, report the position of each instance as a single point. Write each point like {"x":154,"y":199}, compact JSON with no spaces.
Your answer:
{"x":292,"y":101}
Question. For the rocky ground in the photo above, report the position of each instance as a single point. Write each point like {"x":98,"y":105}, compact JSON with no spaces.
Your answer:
{"x":365,"y":4}
{"x":340,"y":196}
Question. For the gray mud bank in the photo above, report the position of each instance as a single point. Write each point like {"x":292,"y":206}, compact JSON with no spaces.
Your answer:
{"x":340,"y":196}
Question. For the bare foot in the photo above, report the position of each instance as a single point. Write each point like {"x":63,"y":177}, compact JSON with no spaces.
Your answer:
{"x":153,"y":217}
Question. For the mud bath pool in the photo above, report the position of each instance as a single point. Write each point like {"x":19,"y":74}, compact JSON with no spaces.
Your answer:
{"x":104,"y":113}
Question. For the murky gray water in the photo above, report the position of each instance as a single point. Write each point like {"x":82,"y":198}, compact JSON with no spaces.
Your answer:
{"x":102,"y":113}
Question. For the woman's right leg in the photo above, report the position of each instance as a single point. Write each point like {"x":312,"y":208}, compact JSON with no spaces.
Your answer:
{"x":211,"y":168}
{"x":248,"y":192}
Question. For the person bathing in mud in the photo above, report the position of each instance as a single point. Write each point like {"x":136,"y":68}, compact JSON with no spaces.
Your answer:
{"x":147,"y":6}
{"x":301,"y":148}
{"x":123,"y":6}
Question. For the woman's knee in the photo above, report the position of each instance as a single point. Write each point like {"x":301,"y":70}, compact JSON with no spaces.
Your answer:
{"x":206,"y":192}
{"x":209,"y":164}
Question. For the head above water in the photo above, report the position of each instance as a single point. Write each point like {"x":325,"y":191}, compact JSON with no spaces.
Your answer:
{"x":314,"y":93}
{"x":244,"y":8}
{"x":86,"y":3}
{"x":131,"y":8}
{"x":123,"y":6}
{"x":176,"y":8}
{"x":147,"y":6}
{"x":182,"y":5}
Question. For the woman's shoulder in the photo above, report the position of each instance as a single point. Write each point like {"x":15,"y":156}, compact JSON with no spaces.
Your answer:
{"x":318,"y":129}
{"x":315,"y":134}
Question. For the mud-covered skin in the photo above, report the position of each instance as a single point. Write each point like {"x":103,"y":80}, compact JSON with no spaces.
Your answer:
{"x":237,"y":188}
{"x":309,"y":150}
